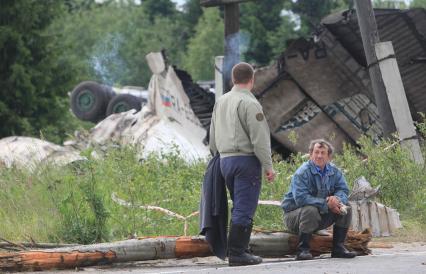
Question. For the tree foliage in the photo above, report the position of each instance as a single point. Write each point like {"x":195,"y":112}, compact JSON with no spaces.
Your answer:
{"x":33,"y":79}
{"x":205,"y":45}
{"x":108,"y":43}
{"x":418,"y":4}
{"x":156,"y":8}
{"x":287,"y":31}
{"x":258,"y":19}
{"x":313,"y":11}
{"x":389,"y":4}
{"x":192,"y":12}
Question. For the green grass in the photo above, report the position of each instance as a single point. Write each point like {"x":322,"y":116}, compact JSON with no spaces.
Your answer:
{"x":74,"y":204}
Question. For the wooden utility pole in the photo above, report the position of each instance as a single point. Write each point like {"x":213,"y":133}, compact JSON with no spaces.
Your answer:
{"x":388,"y":89}
{"x":163,"y":247}
{"x":370,"y":37}
{"x":232,"y":36}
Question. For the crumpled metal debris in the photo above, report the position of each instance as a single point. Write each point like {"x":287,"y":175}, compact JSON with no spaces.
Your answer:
{"x":362,"y":189}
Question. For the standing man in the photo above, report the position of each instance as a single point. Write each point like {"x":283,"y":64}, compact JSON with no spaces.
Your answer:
{"x":240,"y":134}
{"x":317,"y":198}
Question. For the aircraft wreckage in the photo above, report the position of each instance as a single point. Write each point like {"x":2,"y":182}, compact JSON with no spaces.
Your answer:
{"x":321,"y":87}
{"x":317,"y":88}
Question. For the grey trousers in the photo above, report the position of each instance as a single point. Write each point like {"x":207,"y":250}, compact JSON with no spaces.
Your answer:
{"x":307,"y":219}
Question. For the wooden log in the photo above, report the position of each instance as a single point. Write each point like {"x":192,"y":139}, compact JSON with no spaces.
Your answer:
{"x":151,"y":248}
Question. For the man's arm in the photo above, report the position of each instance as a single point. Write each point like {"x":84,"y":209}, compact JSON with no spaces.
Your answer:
{"x":302,"y":195}
{"x":341,"y":189}
{"x":212,"y":140}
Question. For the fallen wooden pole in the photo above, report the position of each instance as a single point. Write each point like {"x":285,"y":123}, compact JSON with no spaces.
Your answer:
{"x":262,"y":244}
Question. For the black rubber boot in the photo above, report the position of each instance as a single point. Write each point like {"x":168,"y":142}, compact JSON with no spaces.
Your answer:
{"x":239,"y":238}
{"x":339,"y":250}
{"x":303,"y":252}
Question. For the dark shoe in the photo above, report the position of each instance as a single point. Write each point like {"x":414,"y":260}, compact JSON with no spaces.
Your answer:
{"x":339,"y":250}
{"x":244,"y":259}
{"x":304,"y":255}
{"x":239,"y":238}
{"x":303,"y":252}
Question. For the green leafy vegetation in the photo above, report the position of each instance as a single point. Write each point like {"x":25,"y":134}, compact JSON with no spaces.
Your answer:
{"x":418,"y":4}
{"x":205,"y":45}
{"x":76,"y":203}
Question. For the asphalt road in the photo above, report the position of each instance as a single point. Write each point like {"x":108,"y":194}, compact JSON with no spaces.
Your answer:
{"x":402,"y":258}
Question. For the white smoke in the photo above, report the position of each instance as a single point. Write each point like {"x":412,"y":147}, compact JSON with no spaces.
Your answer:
{"x":236,"y":45}
{"x":106,"y":60}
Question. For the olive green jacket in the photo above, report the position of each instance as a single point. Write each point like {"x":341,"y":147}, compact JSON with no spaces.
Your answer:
{"x":238,"y":127}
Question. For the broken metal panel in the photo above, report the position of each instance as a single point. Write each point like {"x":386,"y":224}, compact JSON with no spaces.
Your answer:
{"x":337,"y":89}
{"x":288,"y":109}
{"x":407,"y":31}
{"x":201,"y":100}
{"x":393,"y":219}
{"x":368,"y":214}
{"x":156,"y":62}
{"x":316,"y":94}
{"x":30,"y":153}
{"x":324,"y":78}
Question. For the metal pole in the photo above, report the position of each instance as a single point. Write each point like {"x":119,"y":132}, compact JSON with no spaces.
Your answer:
{"x":218,"y":76}
{"x":370,"y":37}
{"x":398,"y":101}
{"x":232,"y":43}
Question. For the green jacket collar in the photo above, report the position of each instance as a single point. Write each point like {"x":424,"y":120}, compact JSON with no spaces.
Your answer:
{"x":235,"y":88}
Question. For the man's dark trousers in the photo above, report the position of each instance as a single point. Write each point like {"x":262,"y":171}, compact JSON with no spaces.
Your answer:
{"x":243,"y":178}
{"x":307,"y":219}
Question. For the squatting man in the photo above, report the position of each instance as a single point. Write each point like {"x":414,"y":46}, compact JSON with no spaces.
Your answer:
{"x":317,"y":198}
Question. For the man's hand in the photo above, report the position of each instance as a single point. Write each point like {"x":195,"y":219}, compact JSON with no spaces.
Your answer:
{"x":270,"y":175}
{"x":333,"y":204}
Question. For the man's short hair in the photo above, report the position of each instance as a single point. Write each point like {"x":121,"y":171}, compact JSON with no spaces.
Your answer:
{"x":322,"y":143}
{"x":242,"y":73}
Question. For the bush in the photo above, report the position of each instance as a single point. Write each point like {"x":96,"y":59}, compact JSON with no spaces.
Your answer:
{"x":385,"y":164}
{"x":82,"y":210}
